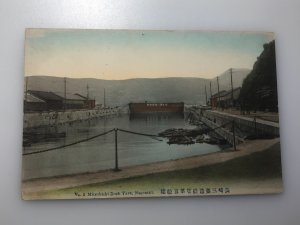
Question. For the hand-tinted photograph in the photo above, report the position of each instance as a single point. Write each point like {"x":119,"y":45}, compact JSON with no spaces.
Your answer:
{"x":144,"y":113}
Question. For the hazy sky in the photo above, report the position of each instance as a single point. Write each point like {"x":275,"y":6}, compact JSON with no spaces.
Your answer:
{"x":117,"y":54}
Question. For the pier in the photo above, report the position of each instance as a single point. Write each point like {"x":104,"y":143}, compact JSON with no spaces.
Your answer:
{"x":234,"y":128}
{"x":253,"y":124}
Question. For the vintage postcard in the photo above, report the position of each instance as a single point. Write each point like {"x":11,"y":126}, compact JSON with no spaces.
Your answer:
{"x":144,"y":113}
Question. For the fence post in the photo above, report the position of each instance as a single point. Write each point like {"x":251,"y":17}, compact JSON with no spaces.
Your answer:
{"x":233,"y":134}
{"x":116,"y":150}
{"x":255,"y":128}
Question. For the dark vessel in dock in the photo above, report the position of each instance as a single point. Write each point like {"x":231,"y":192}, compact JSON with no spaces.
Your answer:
{"x":156,"y":107}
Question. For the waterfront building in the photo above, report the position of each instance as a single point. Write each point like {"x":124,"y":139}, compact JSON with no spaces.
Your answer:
{"x":50,"y":101}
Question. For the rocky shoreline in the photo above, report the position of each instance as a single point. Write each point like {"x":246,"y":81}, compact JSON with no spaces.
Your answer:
{"x":200,"y":134}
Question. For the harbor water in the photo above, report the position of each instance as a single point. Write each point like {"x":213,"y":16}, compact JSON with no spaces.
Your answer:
{"x":99,"y":153}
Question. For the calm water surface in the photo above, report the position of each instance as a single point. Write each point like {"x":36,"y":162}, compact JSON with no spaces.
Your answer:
{"x":99,"y":153}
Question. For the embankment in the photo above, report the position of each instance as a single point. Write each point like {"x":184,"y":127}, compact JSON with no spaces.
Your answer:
{"x":52,"y":118}
{"x":30,"y":187}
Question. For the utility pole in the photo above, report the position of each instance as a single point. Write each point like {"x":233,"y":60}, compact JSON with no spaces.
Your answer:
{"x":87,"y":92}
{"x":218,"y":102}
{"x":65,"y":92}
{"x":26,"y":89}
{"x":210,"y":93}
{"x":104,"y":103}
{"x":233,"y":135}
{"x":231,"y":86}
{"x":205,"y":95}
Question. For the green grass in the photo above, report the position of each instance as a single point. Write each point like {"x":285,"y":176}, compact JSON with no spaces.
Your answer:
{"x":255,"y":168}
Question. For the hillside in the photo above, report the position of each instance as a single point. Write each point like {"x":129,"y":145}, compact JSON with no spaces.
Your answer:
{"x":259,"y":89}
{"x":238,"y":75}
{"x":121,"y":92}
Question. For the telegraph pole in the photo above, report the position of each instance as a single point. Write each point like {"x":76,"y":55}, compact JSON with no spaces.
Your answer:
{"x":26,"y":89}
{"x":104,"y":103}
{"x":87,"y":92}
{"x":218,"y":102}
{"x":231,"y":86}
{"x":205,"y":95}
{"x":65,"y":92}
{"x":233,"y":135}
{"x":210,"y":93}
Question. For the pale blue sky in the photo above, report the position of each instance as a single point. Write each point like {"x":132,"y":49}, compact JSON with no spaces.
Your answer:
{"x":123,"y":54}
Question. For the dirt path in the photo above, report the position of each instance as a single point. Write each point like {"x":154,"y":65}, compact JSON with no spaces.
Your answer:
{"x":47,"y":184}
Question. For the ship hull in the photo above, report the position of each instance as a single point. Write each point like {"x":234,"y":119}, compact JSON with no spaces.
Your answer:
{"x":156,"y":107}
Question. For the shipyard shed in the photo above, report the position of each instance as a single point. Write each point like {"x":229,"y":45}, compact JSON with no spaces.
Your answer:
{"x":52,"y":101}
{"x":215,"y":99}
{"x":230,"y":99}
{"x":72,"y":101}
{"x":88,"y":103}
{"x":76,"y":101}
{"x":32,"y":103}
{"x":226,"y":99}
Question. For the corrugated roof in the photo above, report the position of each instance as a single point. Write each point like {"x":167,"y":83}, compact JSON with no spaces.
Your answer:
{"x":82,"y":96}
{"x":57,"y":96}
{"x":71,"y":96}
{"x":222,"y":93}
{"x":31,"y":98}
{"x":46,"y":96}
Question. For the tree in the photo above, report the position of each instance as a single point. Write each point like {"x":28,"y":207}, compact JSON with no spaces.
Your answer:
{"x":259,"y":89}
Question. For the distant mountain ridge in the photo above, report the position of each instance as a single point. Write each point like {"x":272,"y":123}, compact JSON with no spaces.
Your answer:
{"x":120,"y":92}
